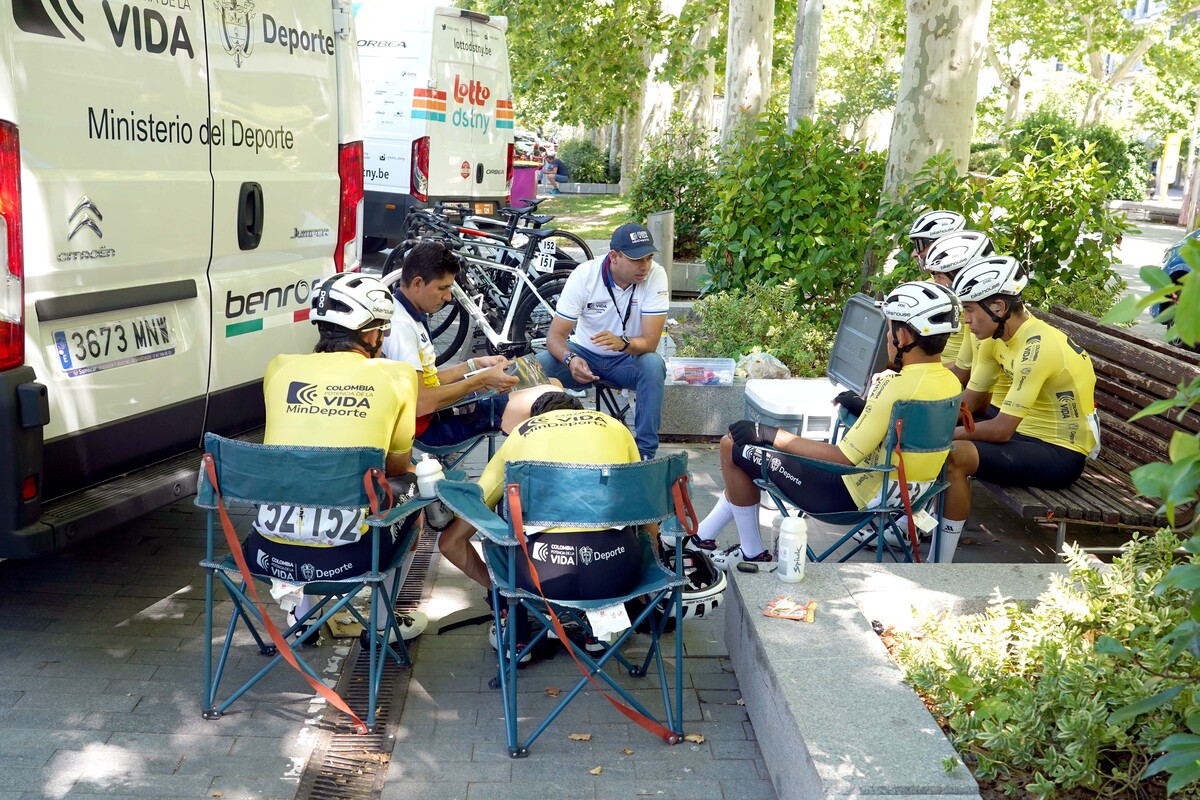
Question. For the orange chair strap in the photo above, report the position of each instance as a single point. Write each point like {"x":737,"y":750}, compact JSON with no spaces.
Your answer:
{"x":281,"y":643}
{"x":518,"y":523}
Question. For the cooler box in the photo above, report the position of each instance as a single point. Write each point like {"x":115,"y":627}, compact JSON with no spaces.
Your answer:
{"x":802,"y":406}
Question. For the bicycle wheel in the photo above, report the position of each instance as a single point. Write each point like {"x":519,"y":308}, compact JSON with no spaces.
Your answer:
{"x":448,"y":326}
{"x":531,"y":320}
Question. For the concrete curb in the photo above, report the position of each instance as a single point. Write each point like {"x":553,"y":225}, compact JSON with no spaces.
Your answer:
{"x":878,"y":739}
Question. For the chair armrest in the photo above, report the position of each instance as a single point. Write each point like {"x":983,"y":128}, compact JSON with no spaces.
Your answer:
{"x":465,"y":499}
{"x":412,"y":505}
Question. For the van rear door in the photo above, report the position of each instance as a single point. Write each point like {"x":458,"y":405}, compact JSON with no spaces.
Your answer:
{"x":274,"y":83}
{"x":111,"y":104}
{"x":489,"y":57}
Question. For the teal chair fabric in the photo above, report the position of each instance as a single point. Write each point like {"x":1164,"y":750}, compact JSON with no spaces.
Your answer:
{"x":322,"y":477}
{"x":585,"y":495}
{"x":916,"y":426}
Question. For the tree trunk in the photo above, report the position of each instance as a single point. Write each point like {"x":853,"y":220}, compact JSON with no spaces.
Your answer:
{"x":695,"y":101}
{"x":1187,"y":213}
{"x":614,"y":152}
{"x":803,"y":95}
{"x":747,"y":61}
{"x":658,"y":97}
{"x":935,"y":111}
{"x":631,"y":145}
{"x":1093,"y":112}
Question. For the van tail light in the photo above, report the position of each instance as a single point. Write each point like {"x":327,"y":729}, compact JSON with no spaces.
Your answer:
{"x":420,"y":169}
{"x":12,"y":289}
{"x":508,"y":173}
{"x":350,"y":213}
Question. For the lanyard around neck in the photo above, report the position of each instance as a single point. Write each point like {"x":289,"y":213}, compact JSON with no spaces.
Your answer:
{"x":606,"y":276}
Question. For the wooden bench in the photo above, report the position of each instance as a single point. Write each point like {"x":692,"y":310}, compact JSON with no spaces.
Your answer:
{"x":1132,"y":371}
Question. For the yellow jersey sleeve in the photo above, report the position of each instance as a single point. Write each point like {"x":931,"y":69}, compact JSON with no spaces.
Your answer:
{"x":966,"y":351}
{"x":985,"y":369}
{"x":405,"y":381}
{"x":868,"y":432}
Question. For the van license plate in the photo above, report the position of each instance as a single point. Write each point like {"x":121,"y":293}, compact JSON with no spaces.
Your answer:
{"x":118,"y":343}
{"x":485,"y":208}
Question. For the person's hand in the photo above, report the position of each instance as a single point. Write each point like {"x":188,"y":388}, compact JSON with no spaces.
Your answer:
{"x":745,"y":433}
{"x":608,"y":340}
{"x":581,"y":371}
{"x":496,"y":379}
{"x":490,"y":361}
{"x":850,"y":401}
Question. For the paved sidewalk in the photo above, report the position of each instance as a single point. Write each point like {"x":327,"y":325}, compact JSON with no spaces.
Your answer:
{"x":100,"y":656}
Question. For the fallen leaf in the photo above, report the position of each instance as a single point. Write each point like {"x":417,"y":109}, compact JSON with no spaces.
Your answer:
{"x":596,"y":771}
{"x":694,"y":738}
{"x":579,"y":737}
{"x":552,"y":691}
{"x":741,"y":702}
{"x":626,"y":751}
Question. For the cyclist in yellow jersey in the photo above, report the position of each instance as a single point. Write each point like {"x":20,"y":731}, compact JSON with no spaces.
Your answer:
{"x":560,"y":430}
{"x":341,"y":395}
{"x":1042,"y":435}
{"x":943,"y":260}
{"x":982,"y":404}
{"x":921,"y":315}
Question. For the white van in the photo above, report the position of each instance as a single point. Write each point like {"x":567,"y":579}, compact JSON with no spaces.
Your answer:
{"x":173,"y":176}
{"x":437,"y":110}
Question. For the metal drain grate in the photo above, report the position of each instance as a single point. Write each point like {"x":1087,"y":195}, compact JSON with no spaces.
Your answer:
{"x":344,"y":765}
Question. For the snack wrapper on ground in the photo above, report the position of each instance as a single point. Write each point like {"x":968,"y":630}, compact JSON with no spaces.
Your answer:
{"x":785,"y":607}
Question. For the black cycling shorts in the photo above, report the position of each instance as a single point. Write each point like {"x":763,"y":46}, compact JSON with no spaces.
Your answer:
{"x":809,"y":488}
{"x":299,"y":563}
{"x":583,"y":565}
{"x":1026,"y":461}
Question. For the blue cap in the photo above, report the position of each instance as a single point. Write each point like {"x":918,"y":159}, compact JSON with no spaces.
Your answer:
{"x":633,"y":241}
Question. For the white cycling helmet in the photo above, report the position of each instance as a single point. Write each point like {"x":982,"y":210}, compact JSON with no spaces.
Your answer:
{"x":990,"y":276}
{"x":705,"y":583}
{"x":929,"y":308}
{"x":352,"y":301}
{"x":936,"y":224}
{"x":954,"y":251}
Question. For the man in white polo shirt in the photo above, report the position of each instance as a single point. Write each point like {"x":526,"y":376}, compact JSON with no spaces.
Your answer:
{"x":607,"y":326}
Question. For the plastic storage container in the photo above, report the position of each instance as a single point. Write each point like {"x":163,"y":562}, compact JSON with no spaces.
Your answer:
{"x":802,"y":406}
{"x":700,"y":371}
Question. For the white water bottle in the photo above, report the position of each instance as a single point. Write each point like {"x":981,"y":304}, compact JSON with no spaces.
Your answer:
{"x":429,"y":472}
{"x":793,"y":549}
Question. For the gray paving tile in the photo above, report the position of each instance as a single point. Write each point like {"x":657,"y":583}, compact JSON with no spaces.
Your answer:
{"x":407,"y":770}
{"x":660,"y":790}
{"x":414,"y":790}
{"x":749,"y":790}
{"x":192,"y":745}
{"x":577,"y":790}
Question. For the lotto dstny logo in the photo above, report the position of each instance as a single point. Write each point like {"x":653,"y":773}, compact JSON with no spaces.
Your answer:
{"x":302,"y":394}
{"x":33,"y":16}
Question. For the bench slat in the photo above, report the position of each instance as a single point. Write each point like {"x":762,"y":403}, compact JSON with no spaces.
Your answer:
{"x":1097,"y":342}
{"x":1128,"y":334}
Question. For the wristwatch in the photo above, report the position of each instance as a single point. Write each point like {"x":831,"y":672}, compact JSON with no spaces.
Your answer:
{"x":624,"y":339}
{"x":567,"y":358}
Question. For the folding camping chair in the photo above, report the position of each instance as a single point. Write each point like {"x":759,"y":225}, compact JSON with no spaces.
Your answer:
{"x":451,"y":455}
{"x":916,"y":426}
{"x":596,"y":496}
{"x":342,"y":482}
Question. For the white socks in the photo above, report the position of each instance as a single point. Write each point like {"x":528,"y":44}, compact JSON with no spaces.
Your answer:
{"x":748,"y":531}
{"x":948,"y":537}
{"x":717,"y":519}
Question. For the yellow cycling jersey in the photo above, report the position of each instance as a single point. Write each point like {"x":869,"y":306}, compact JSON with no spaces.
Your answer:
{"x":340,"y":400}
{"x":953,"y":345}
{"x":567,"y":436}
{"x":865,"y":443}
{"x":968,"y":356}
{"x":1052,"y":384}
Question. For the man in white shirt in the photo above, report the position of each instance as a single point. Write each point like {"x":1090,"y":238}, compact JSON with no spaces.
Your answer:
{"x":607,"y":326}
{"x":442,"y":419}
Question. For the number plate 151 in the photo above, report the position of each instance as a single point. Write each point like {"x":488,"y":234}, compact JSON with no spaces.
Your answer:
{"x":117,"y":343}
